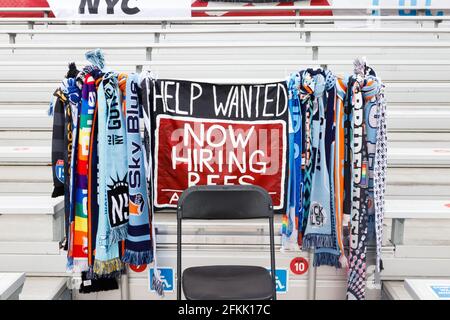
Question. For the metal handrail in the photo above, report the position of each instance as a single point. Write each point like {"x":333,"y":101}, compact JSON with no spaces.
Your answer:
{"x":429,"y":62}
{"x":230,"y":30}
{"x":259,"y":44}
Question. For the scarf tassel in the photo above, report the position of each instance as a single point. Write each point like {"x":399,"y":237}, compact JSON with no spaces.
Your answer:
{"x":118,"y":234}
{"x":318,"y":241}
{"x":327,"y":259}
{"x":158,"y":285}
{"x":109,"y":268}
{"x":137,"y":258}
{"x":69,"y":265}
{"x":90,"y":284}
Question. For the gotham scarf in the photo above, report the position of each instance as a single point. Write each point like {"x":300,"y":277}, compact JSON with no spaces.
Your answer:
{"x":138,"y":243}
{"x":117,"y":185}
{"x":113,"y":186}
{"x":294,"y":213}
{"x":318,"y":232}
{"x":79,"y":227}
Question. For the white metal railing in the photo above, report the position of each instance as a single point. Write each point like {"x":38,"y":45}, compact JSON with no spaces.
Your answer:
{"x":228,"y":30}
{"x":149,"y":47}
{"x":301,"y":20}
{"x":304,"y":33}
{"x":324,"y":62}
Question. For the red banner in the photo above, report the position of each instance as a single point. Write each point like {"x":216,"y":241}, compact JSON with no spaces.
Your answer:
{"x":195,"y":4}
{"x":194,"y":151}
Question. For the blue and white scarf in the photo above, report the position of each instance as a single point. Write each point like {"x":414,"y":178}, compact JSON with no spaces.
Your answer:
{"x":138,"y":250}
{"x":113,"y":171}
{"x":294,"y":215}
{"x":318,"y":232}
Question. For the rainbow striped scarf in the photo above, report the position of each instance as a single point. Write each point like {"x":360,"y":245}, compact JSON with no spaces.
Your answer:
{"x":78,"y":245}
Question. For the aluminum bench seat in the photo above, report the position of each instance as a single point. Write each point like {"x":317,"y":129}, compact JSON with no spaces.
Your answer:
{"x":45,"y":288}
{"x":10,"y":285}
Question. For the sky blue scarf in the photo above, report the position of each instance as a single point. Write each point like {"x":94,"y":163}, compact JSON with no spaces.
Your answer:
{"x":138,"y":246}
{"x":318,"y":231}
{"x":107,"y":261}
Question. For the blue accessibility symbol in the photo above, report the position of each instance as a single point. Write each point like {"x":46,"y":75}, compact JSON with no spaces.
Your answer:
{"x":166,"y":276}
{"x":281,"y":280}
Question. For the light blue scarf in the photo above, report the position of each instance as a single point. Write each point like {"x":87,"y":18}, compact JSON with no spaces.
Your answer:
{"x":138,"y":246}
{"x":112,"y":175}
{"x":318,"y":231}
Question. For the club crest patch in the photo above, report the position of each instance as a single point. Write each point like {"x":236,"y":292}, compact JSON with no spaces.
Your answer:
{"x":59,"y":170}
{"x":136,"y":204}
{"x":118,"y":205}
{"x":317,"y":215}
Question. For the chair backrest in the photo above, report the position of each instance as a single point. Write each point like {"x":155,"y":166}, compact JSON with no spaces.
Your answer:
{"x":225,"y":202}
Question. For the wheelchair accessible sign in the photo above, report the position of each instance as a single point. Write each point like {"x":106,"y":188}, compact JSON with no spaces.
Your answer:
{"x":167,"y":278}
{"x":281,"y":280}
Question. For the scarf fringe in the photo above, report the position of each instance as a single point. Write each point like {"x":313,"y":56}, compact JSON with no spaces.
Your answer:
{"x":108,"y":268}
{"x":118,"y":234}
{"x":69,"y":265}
{"x":318,"y":241}
{"x":137,"y":258}
{"x":158,"y":286}
{"x":327,"y":259}
{"x":78,"y":265}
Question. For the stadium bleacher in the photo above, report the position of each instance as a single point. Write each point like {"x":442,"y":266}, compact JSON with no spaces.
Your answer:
{"x":409,"y":53}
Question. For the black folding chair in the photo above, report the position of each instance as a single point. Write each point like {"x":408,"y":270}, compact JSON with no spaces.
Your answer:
{"x":225,"y":282}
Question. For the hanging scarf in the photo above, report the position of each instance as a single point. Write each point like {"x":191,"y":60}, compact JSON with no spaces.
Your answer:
{"x":59,"y":153}
{"x":112,"y":171}
{"x":117,"y":184}
{"x":306,"y":90}
{"x":79,"y":229}
{"x":138,"y":244}
{"x":379,"y":177}
{"x":339,"y":166}
{"x":291,"y":220}
{"x":144,"y":81}
{"x":330,"y":255}
{"x":360,"y":191}
{"x":365,"y":223}
{"x":318,"y":232}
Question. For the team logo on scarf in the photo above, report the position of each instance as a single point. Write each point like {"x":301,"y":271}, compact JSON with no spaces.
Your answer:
{"x":317,"y":215}
{"x":118,"y":202}
{"x":136,"y":204}
{"x":59,"y":170}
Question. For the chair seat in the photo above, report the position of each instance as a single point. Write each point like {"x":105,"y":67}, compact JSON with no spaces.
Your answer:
{"x":227,"y":283}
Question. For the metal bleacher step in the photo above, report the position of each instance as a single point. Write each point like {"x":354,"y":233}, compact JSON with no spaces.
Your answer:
{"x":397,"y":157}
{"x":45,"y":288}
{"x":31,"y":219}
{"x":398,"y":92}
{"x":404,"y":118}
{"x":394,"y":290}
{"x":11,"y":285}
